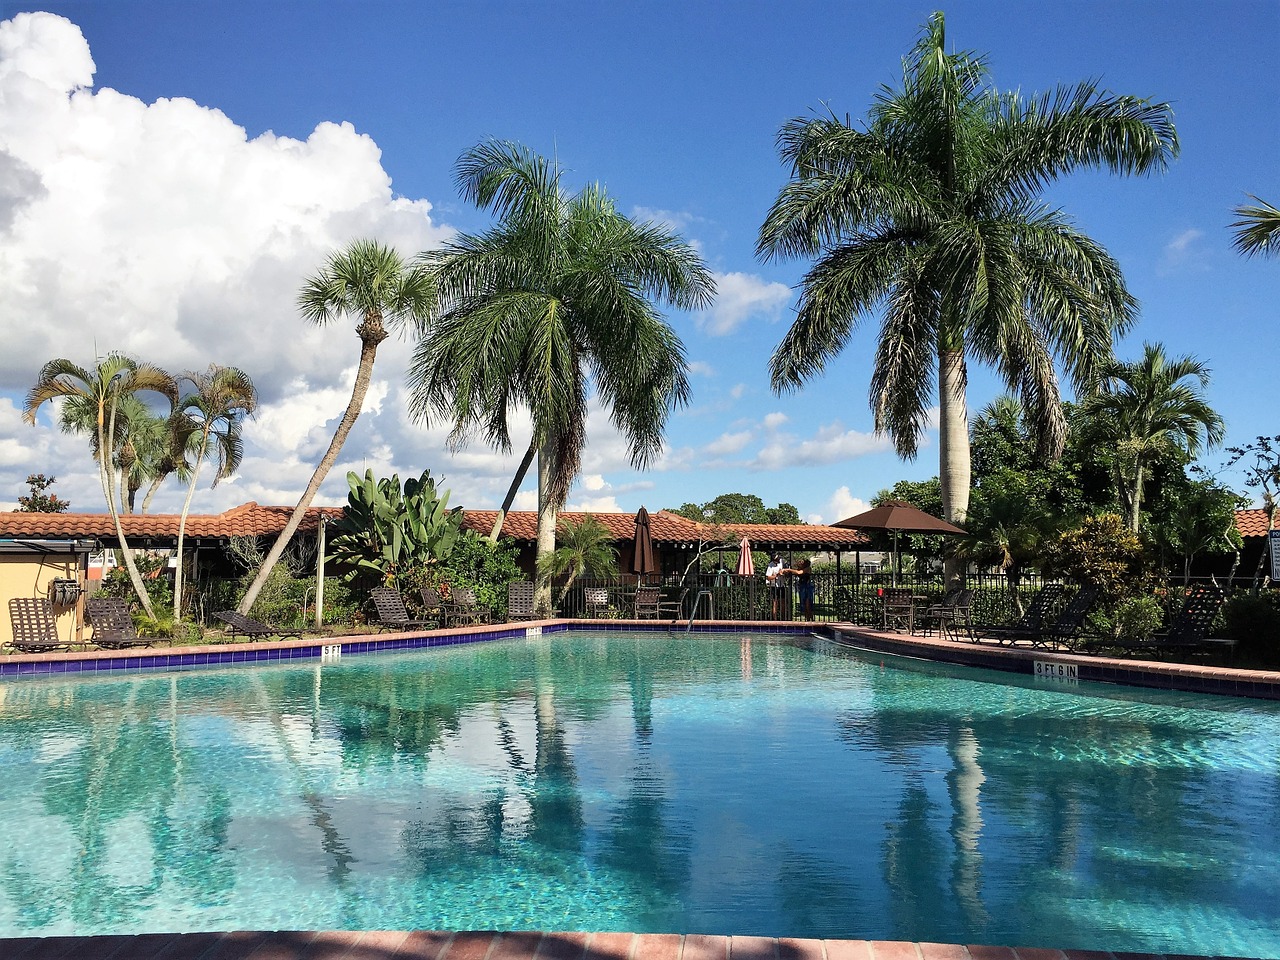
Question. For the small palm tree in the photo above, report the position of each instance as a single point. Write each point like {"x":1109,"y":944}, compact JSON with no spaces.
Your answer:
{"x":371,"y":283}
{"x":1145,"y":409}
{"x":1258,"y":229}
{"x":931,"y":211}
{"x":209,"y":426}
{"x":556,"y":299}
{"x":101,"y":390}
{"x":584,"y":549}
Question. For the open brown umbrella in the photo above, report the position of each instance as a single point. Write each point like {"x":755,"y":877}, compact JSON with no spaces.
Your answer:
{"x":642,"y":559}
{"x":900,"y":517}
{"x":746,"y":563}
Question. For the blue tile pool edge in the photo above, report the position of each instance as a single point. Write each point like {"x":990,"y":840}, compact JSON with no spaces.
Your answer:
{"x":43,"y":665}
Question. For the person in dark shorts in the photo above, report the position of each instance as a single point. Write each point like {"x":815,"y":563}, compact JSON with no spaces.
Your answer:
{"x":804,"y":587}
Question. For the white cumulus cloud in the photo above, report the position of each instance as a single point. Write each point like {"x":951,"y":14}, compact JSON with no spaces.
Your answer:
{"x":740,"y":297}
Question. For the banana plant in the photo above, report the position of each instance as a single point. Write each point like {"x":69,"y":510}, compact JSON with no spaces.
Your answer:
{"x":386,"y":529}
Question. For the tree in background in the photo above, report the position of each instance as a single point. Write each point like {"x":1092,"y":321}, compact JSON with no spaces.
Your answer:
{"x":933,"y":210}
{"x":739,"y":508}
{"x":558,"y":297}
{"x":1258,"y":229}
{"x":371,"y":283}
{"x":39,"y":500}
{"x":208,"y":426}
{"x":1145,"y":409}
{"x":100,"y":390}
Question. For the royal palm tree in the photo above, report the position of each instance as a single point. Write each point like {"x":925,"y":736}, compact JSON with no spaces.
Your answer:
{"x":370,"y":282}
{"x":209,"y":426}
{"x":1146,"y":409}
{"x":557,"y":299}
{"x":932,"y":211}
{"x":101,"y":390}
{"x":1258,"y":229}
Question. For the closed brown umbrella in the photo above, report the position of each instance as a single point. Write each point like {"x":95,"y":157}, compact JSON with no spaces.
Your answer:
{"x":900,"y":517}
{"x":746,"y":563}
{"x":642,"y":559}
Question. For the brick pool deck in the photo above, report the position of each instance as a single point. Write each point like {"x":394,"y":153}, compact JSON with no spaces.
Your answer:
{"x":435,"y":945}
{"x":438,"y":945}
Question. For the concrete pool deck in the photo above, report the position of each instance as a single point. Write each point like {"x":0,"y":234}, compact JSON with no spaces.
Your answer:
{"x":436,"y":945}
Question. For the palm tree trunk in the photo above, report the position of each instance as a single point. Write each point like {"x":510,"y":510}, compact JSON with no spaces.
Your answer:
{"x":104,"y":458}
{"x":512,"y":490}
{"x":546,"y":527}
{"x":1135,"y":499}
{"x":364,"y":373}
{"x":151,"y":492}
{"x":182,"y":521}
{"x":954,"y":472}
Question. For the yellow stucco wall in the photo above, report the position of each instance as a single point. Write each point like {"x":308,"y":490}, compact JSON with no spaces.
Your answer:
{"x":28,"y":575}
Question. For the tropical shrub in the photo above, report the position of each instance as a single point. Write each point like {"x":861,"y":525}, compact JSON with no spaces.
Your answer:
{"x":474,"y":562}
{"x":385,"y":530}
{"x":1102,"y":551}
{"x":1137,"y":618}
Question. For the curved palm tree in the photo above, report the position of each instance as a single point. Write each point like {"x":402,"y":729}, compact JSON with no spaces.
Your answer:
{"x":1146,"y":409}
{"x":932,"y":212}
{"x":557,"y":298}
{"x":101,"y":390}
{"x":1258,"y":229}
{"x":209,"y":426}
{"x":142,"y":442}
{"x":370,"y":282}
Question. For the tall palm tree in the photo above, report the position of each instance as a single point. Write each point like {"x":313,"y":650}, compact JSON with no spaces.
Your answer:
{"x":932,"y":211}
{"x":556,"y":299}
{"x":1258,"y":229}
{"x":1146,"y":409}
{"x":370,"y":282}
{"x":101,"y":390}
{"x":210,"y":417}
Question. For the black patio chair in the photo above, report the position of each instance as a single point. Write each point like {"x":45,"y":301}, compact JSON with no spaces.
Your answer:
{"x":648,"y":603}
{"x":238,"y":625}
{"x":113,"y":624}
{"x":1065,"y":629}
{"x":1031,"y":623}
{"x":953,"y":612}
{"x":1188,"y":631}
{"x":392,"y":613}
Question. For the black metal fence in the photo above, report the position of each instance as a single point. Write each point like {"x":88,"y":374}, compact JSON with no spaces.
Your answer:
{"x":844,"y":597}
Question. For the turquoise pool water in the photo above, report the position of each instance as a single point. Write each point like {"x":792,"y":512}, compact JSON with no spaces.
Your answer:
{"x":721,"y":784}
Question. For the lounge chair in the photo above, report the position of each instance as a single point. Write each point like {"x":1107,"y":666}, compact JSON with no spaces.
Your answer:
{"x":35,"y":629}
{"x":520,"y":601}
{"x":392,"y":614}
{"x":648,"y":603}
{"x":1065,"y":630}
{"x":1031,"y":622}
{"x":465,"y":608}
{"x":237,"y":624}
{"x":1189,"y":630}
{"x":113,"y":624}
{"x":954,"y":611}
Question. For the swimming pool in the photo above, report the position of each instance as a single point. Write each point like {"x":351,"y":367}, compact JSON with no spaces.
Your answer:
{"x":651,"y":782}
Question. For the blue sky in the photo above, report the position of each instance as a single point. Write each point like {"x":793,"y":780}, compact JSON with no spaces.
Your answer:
{"x":170,"y":202}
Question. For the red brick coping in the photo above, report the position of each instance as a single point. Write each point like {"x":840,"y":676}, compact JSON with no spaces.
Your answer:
{"x":436,"y":945}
